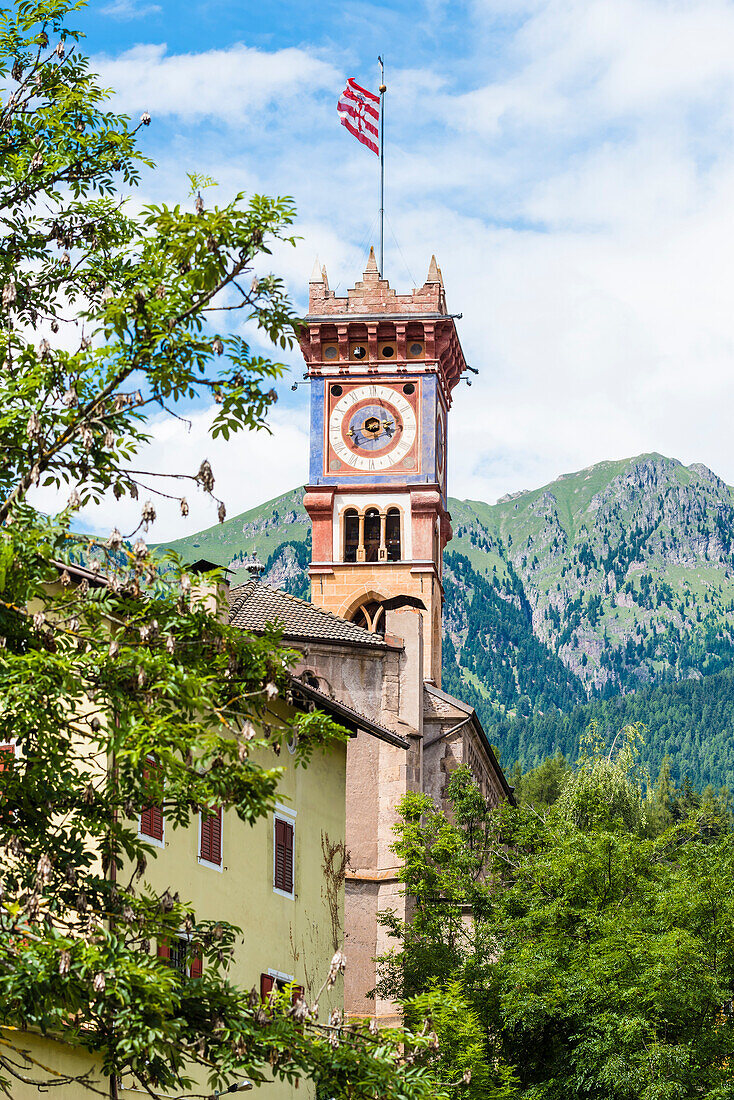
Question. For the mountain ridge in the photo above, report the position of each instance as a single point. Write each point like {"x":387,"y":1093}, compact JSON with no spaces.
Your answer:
{"x":606,"y":580}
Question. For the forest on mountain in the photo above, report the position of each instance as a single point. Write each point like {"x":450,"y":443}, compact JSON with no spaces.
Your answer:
{"x":606,"y":595}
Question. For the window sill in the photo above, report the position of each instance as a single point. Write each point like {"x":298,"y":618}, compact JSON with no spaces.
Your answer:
{"x":152,"y":840}
{"x":212,"y":866}
{"x":283,"y":894}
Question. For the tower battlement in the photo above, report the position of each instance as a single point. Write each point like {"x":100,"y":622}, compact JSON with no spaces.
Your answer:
{"x":374,"y":330}
{"x":371,"y":295}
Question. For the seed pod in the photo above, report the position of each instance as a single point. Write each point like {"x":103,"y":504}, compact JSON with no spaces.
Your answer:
{"x":115,"y":541}
{"x":205,"y":476}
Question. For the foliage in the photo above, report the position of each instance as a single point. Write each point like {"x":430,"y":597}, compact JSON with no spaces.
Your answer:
{"x":107,"y":316}
{"x":600,"y":962}
{"x":691,"y":723}
{"x":541,"y":786}
{"x":499,"y":650}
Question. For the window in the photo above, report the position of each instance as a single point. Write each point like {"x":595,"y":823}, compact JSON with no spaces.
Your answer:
{"x":7,"y":762}
{"x":210,"y":838}
{"x":371,"y":616}
{"x":283,"y":856}
{"x":275,"y":980}
{"x":392,"y":534}
{"x":351,"y":535}
{"x":151,"y":817}
{"x":372,"y":535}
{"x":181,"y":956}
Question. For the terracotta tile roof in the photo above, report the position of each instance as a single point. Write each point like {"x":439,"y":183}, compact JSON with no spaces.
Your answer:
{"x":255,"y":605}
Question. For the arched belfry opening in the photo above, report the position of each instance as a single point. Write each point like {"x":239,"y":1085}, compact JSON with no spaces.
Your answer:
{"x":371,"y":616}
{"x":370,"y":610}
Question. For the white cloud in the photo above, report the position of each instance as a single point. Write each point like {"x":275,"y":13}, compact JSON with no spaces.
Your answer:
{"x":227,"y":84}
{"x":577,"y":195}
{"x":129,"y":9}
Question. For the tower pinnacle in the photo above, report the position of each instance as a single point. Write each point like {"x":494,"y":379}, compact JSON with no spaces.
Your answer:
{"x":434,"y":272}
{"x":370,"y":272}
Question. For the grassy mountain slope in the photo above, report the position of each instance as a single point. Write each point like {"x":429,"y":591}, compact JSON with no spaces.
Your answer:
{"x":615,"y":579}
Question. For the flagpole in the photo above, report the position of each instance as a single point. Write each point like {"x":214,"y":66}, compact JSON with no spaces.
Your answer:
{"x":383,"y":89}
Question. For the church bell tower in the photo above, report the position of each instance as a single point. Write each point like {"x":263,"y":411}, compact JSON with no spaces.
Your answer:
{"x":382,"y":368}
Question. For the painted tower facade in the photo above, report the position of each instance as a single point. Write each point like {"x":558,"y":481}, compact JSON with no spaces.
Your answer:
{"x":382,"y":368}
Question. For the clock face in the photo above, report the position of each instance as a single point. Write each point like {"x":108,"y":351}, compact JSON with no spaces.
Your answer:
{"x":372,"y":427}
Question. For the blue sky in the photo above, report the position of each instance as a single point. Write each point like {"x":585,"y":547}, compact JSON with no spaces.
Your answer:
{"x":570,"y":162}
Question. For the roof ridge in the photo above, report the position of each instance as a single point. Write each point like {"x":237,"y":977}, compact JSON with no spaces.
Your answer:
{"x":257,"y":605}
{"x":319,"y":610}
{"x":312,"y":607}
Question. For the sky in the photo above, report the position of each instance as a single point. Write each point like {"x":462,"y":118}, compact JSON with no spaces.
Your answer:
{"x":569,"y":162}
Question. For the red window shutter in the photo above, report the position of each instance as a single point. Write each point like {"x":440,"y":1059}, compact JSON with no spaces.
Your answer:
{"x":164,"y":949}
{"x":266,"y":984}
{"x":289,"y":858}
{"x":283,"y":856}
{"x":211,"y":837}
{"x":196,"y":962}
{"x":7,"y":762}
{"x":151,"y":817}
{"x":296,"y":994}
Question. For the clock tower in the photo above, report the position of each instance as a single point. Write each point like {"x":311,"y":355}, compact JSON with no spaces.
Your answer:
{"x":382,"y":368}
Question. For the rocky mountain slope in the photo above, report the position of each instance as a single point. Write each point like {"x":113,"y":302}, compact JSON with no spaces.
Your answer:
{"x":606,"y":580}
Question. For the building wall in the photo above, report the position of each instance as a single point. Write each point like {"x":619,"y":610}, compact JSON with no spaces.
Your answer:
{"x":342,"y":587}
{"x":295,"y":936}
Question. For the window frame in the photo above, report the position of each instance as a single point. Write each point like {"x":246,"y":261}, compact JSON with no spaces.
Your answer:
{"x":194,"y":963}
{"x":287,"y":817}
{"x":207,"y":862}
{"x":9,"y":747}
{"x":278,"y":980}
{"x":158,"y":843}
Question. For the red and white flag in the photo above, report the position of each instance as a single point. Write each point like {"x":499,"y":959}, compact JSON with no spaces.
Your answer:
{"x":359,"y":111}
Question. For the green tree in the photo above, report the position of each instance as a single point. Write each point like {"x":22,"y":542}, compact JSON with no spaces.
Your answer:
{"x":107,"y":315}
{"x":600,"y":963}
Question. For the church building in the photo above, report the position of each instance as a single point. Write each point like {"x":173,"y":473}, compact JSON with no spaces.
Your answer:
{"x":382,"y":368}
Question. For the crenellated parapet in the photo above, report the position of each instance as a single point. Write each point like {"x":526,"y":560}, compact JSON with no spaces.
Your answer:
{"x":376,"y":331}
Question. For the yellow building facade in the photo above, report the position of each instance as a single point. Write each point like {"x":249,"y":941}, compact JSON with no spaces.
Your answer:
{"x":287,"y":934}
